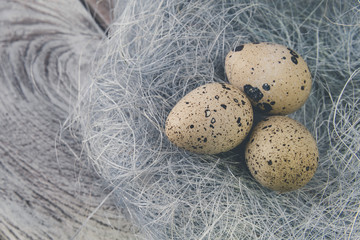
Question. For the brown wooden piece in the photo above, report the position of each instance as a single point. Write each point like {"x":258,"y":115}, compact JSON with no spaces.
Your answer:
{"x":100,"y":10}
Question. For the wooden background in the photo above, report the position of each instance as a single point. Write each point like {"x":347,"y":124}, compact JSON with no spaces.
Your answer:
{"x":46,"y":192}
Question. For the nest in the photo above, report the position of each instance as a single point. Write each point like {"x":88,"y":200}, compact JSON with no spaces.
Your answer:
{"x":158,"y":51}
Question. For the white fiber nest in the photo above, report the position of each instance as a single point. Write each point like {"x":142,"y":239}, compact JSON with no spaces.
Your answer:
{"x":158,"y":51}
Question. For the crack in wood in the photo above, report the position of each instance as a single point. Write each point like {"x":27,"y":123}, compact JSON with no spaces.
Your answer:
{"x":100,"y":10}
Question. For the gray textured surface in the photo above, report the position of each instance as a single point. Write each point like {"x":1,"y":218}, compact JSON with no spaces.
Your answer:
{"x":45,"y":191}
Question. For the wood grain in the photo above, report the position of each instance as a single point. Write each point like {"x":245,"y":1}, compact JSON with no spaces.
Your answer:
{"x":46,"y":192}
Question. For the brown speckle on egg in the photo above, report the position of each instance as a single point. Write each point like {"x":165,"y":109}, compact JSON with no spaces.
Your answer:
{"x":282,"y":155}
{"x":266,"y":87}
{"x":210,"y":119}
{"x":239,"y":48}
{"x":251,"y":68}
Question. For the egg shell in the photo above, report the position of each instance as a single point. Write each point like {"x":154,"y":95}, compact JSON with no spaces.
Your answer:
{"x":281,"y":154}
{"x":211,"y":119}
{"x":275,"y":78}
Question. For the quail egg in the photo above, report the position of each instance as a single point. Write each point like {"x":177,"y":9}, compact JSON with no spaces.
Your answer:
{"x":276,"y":79}
{"x":211,"y":119}
{"x":281,"y":154}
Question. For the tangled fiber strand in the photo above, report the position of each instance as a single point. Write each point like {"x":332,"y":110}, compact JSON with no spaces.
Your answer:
{"x":158,"y":51}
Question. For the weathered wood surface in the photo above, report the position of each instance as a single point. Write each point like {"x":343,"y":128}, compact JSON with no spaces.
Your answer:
{"x":45,"y":191}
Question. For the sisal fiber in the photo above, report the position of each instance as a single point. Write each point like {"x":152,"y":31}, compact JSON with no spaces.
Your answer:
{"x":158,"y":51}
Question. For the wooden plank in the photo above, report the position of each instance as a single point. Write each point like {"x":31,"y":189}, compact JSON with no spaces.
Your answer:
{"x":45,"y":191}
{"x":100,"y":10}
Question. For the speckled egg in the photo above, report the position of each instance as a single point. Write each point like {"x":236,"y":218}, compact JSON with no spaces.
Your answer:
{"x":281,"y":154}
{"x":275,"y":78}
{"x":211,"y":119}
